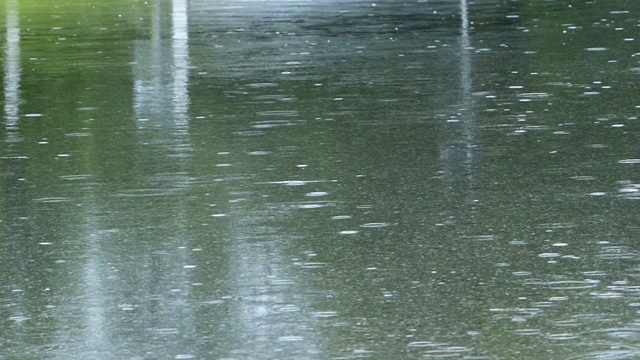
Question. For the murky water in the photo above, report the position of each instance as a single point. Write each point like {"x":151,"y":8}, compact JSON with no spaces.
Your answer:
{"x":320,"y":180}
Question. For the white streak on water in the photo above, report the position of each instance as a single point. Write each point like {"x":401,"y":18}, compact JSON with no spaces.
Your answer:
{"x":12,"y":71}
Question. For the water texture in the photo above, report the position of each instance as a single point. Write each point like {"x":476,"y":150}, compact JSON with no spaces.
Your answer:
{"x":247,"y":179}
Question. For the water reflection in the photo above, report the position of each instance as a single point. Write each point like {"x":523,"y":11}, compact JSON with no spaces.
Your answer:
{"x":460,"y":155}
{"x":304,"y":180}
{"x":12,"y":71}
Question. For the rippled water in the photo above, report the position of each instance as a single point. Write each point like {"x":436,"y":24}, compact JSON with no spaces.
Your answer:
{"x":320,"y":180}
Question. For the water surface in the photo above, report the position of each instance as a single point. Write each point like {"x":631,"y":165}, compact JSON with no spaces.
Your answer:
{"x":320,"y":180}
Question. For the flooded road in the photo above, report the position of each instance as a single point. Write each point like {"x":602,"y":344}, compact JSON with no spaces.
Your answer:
{"x":320,"y":180}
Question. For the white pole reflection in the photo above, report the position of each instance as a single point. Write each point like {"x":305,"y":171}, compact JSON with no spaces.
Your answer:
{"x":466,"y":80}
{"x":12,"y":71}
{"x":459,"y":154}
{"x":161,"y":106}
{"x":180,"y":47}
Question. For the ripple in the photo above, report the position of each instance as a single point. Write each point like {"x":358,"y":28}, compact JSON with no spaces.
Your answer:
{"x":535,"y":96}
{"x":521,"y":273}
{"x":548,"y":255}
{"x":273,"y":123}
{"x":447,"y":351}
{"x":312,"y":206}
{"x":266,"y":85}
{"x":311,"y":265}
{"x":324,"y":314}
{"x":259,"y":152}
{"x":616,"y":253}
{"x":572,"y":284}
{"x":296,"y":182}
{"x":564,"y":336}
{"x":75,"y":177}
{"x":607,"y":295}
{"x":528,"y":332}
{"x":622,"y":333}
{"x":249,"y":133}
{"x":482,"y":237}
{"x":290,"y":338}
{"x":629,"y":161}
{"x":317,"y":193}
{"x":374,"y":225}
{"x":426,"y":344}
{"x":611,"y":355}
{"x":52,"y":199}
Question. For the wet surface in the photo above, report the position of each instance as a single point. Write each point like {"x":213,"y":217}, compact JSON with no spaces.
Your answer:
{"x":320,"y":180}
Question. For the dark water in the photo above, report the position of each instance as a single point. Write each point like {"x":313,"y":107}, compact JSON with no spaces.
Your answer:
{"x":320,"y":180}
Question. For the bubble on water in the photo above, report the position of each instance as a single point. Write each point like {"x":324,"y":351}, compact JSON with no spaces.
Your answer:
{"x":341,"y":217}
{"x":184,"y":356}
{"x":596,"y":49}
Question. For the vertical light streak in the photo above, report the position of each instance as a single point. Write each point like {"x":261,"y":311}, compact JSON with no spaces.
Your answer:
{"x":12,"y":70}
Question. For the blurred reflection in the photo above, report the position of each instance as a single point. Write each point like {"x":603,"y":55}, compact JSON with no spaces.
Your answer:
{"x":459,"y":155}
{"x":12,"y":71}
{"x":161,"y":105}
